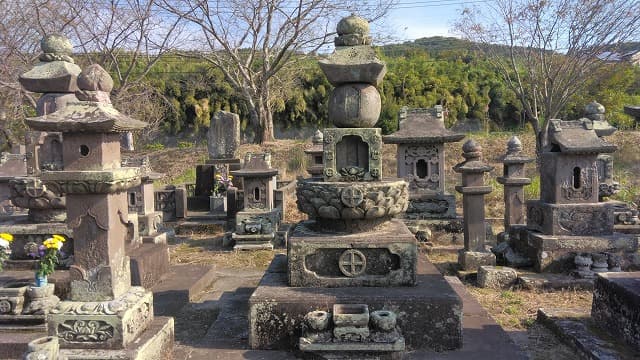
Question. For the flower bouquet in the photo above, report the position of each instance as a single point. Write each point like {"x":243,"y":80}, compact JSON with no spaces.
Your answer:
{"x":222,"y":183}
{"x":47,"y":256}
{"x":5,"y":249}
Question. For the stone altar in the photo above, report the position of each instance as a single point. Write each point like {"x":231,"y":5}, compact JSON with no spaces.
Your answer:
{"x":352,"y":258}
{"x":103,"y":315}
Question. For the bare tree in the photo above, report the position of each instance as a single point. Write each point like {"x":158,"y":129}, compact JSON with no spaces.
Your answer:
{"x":251,"y":41}
{"x":546,"y":49}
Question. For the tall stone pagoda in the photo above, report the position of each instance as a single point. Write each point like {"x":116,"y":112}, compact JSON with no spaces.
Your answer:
{"x":352,"y":283}
{"x":421,"y":160}
{"x":103,"y":314}
{"x":568,"y":219}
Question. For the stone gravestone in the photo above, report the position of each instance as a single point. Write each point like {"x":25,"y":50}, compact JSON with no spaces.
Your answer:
{"x":352,"y":284}
{"x":104,"y":314}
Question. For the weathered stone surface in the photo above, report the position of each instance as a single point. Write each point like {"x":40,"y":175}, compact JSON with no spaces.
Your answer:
{"x":223,"y":137}
{"x":555,"y":253}
{"x":570,"y":219}
{"x":429,"y":313}
{"x":386,"y":257}
{"x":496,"y":277}
{"x":616,"y":305}
{"x":472,"y":260}
{"x":148,"y":263}
{"x":102,"y":325}
{"x":347,"y":113}
{"x":51,"y":77}
{"x":434,"y":206}
{"x":352,"y":154}
{"x":343,"y":204}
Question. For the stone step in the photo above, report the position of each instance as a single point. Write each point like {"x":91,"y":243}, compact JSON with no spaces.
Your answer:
{"x":13,"y":343}
{"x":578,"y":330}
{"x":182,"y":284}
{"x":149,"y":262}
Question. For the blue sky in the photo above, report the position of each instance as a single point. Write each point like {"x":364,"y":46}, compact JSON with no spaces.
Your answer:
{"x":414,"y":19}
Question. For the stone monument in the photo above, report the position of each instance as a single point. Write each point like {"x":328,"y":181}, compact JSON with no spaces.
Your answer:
{"x":103,"y":315}
{"x":223,"y":140}
{"x":315,"y":155}
{"x":256,"y":225}
{"x":595,"y":112}
{"x":352,"y":283}
{"x":473,"y":190}
{"x":568,"y":219}
{"x":421,"y":160}
{"x":514,"y":180}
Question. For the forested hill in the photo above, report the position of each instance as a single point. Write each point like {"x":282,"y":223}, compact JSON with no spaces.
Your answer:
{"x":433,"y":45}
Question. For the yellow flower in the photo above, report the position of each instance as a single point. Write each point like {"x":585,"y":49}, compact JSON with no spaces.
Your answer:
{"x":6,"y":236}
{"x":58,"y":238}
{"x":230,"y":177}
{"x":53,"y":243}
{"x":218,"y":177}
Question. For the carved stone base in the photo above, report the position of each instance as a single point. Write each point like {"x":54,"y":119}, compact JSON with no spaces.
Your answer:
{"x":256,"y":230}
{"x":102,"y":325}
{"x":556,"y":253}
{"x":570,"y":219}
{"x":382,"y":258}
{"x":155,"y":343}
{"x":431,"y":206}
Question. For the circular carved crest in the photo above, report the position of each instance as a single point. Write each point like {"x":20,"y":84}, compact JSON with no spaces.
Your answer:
{"x":352,"y":263}
{"x":5,"y":306}
{"x":352,"y":196}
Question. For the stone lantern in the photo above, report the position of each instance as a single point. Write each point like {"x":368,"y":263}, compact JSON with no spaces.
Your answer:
{"x":103,"y":313}
{"x":473,"y":191}
{"x":257,"y":223}
{"x":421,"y":159}
{"x":315,"y":158}
{"x":513,"y":178}
{"x":569,"y":218}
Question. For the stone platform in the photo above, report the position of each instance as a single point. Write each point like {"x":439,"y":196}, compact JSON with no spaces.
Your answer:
{"x":386,"y":257}
{"x":616,"y":305}
{"x":429,"y":314}
{"x":555,"y":253}
{"x":148,"y":263}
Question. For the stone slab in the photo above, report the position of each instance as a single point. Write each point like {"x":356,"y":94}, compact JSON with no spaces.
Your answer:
{"x":60,"y":278}
{"x":430,"y":313}
{"x":551,"y":253}
{"x":570,"y":219}
{"x":431,"y":206}
{"x":386,"y":257}
{"x":549,"y":281}
{"x":182,"y":283}
{"x":156,"y":343}
{"x":148,"y":263}
{"x":616,"y":305}
{"x":576,"y":329}
{"x":14,"y":343}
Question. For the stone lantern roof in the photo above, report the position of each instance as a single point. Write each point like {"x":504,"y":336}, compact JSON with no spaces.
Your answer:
{"x":256,"y":165}
{"x":576,"y":137}
{"x":422,"y":126}
{"x":86,"y":116}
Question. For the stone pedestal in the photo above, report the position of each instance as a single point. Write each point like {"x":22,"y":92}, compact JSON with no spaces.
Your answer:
{"x":384,"y":257}
{"x":473,"y":191}
{"x":429,"y":313}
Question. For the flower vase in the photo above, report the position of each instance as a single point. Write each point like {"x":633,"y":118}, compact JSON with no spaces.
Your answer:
{"x":41,"y":280}
{"x":217,"y":203}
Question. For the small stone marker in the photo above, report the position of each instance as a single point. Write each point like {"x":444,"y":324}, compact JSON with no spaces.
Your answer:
{"x":496,"y":277}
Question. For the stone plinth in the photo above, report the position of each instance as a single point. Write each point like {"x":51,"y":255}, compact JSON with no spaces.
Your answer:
{"x":256,"y":230}
{"x":429,"y":314}
{"x":616,"y":305}
{"x":555,"y":253}
{"x":110,"y":324}
{"x":570,"y":219}
{"x":386,"y":257}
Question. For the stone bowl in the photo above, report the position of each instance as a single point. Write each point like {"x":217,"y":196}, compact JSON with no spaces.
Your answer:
{"x":333,"y":202}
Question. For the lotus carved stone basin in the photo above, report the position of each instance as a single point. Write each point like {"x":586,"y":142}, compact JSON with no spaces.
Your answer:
{"x":364,"y":202}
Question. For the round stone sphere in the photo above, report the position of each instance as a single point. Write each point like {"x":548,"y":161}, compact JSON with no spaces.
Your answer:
{"x":353,"y":25}
{"x":56,"y":44}
{"x":355,"y":106}
{"x":95,"y":78}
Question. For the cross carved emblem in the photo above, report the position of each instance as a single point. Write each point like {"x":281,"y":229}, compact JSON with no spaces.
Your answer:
{"x":352,"y":196}
{"x":352,"y":263}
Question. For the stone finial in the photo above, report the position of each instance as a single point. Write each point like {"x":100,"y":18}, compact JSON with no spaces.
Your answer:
{"x":471,"y":150}
{"x":56,"y":47}
{"x":352,"y":31}
{"x":95,"y":83}
{"x":594,"y":111}
{"x":514,"y":146}
{"x":317,"y":138}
